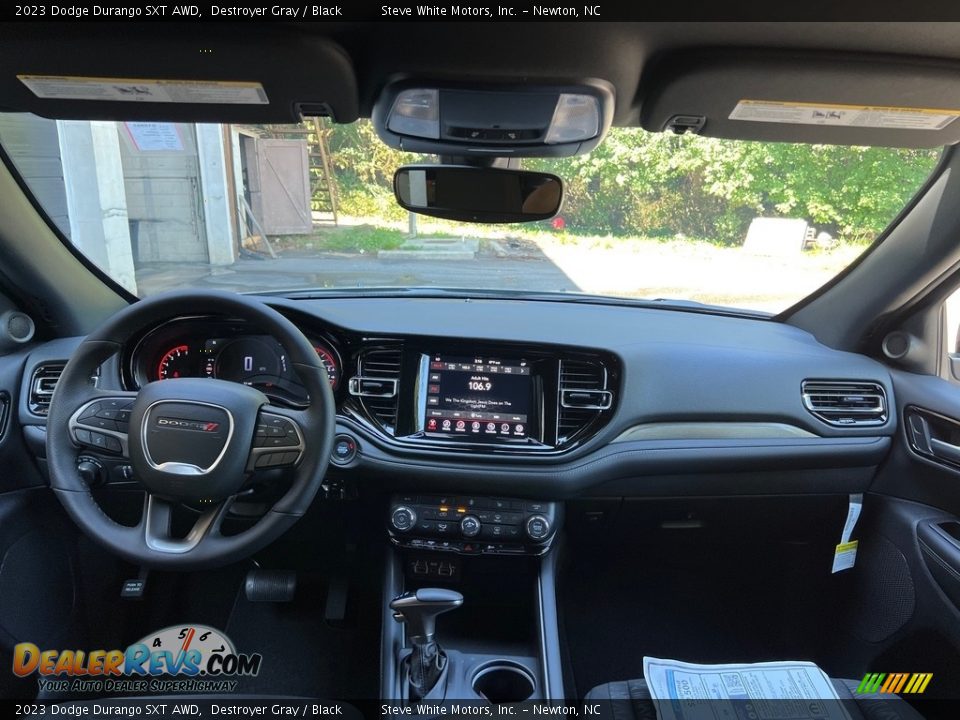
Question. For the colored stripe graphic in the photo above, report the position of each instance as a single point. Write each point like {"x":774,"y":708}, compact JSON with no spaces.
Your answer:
{"x":918,"y":683}
{"x":893,"y":683}
{"x":870,"y":682}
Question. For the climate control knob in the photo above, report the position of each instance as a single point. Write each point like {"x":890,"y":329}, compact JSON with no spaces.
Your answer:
{"x":470,"y":526}
{"x":537,"y":527}
{"x":403,"y":518}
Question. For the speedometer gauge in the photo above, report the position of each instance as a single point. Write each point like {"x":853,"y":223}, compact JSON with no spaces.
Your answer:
{"x":174,"y":363}
{"x":329,"y":360}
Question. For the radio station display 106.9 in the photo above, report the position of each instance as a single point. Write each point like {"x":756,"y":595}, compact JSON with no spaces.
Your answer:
{"x":477,"y":398}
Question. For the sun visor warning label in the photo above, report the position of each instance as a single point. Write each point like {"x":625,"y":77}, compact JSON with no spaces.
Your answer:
{"x":796,"y":113}
{"x":205,"y":92}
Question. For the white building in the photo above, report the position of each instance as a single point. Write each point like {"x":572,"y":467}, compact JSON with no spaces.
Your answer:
{"x":131,"y":194}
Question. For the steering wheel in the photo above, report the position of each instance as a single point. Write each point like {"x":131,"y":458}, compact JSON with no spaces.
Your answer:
{"x":188,"y":439}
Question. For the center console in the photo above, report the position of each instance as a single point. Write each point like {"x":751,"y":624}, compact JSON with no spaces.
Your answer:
{"x":486,"y":563}
{"x":469,"y":600}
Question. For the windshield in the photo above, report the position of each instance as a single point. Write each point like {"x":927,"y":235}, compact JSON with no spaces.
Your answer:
{"x":749,"y":225}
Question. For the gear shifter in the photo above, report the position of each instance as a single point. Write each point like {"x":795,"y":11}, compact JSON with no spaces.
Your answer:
{"x":419,"y":611}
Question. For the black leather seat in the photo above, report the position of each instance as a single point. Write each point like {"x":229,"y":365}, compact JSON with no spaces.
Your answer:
{"x":631,"y":701}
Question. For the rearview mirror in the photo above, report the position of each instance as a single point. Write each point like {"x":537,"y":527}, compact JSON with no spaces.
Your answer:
{"x":472,"y":194}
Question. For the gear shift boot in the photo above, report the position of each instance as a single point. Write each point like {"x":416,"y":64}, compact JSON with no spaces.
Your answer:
{"x":419,"y":610}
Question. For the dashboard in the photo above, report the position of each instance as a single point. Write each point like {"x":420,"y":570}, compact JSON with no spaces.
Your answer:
{"x":416,"y":392}
{"x":540,"y":399}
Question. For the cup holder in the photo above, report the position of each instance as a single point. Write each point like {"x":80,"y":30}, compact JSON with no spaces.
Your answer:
{"x":503,"y":682}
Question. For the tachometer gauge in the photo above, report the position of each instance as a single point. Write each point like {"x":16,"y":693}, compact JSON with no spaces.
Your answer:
{"x":329,"y":360}
{"x":174,"y":363}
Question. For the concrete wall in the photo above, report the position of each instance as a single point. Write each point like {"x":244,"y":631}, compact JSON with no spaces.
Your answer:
{"x":163,"y":196}
{"x":128,"y":194}
{"x":32,"y":144}
{"x":96,"y":199}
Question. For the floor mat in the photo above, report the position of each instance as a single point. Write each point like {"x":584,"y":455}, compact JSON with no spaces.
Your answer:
{"x":302,"y":654}
{"x":697,"y":607}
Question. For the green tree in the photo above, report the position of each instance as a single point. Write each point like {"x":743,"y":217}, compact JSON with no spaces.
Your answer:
{"x":664,"y":185}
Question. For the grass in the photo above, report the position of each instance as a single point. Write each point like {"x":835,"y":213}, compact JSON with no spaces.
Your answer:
{"x":346,"y":239}
{"x":370,"y":235}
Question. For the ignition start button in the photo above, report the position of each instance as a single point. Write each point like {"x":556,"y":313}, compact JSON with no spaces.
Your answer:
{"x":344,"y":450}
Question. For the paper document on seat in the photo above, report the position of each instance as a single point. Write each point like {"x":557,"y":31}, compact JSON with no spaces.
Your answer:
{"x":792,"y":690}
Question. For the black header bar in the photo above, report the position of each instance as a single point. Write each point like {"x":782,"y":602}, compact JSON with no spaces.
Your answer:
{"x":502,"y":11}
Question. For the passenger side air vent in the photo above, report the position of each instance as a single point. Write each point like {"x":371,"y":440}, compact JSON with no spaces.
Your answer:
{"x":844,"y":403}
{"x":376,"y":385}
{"x":42,"y":385}
{"x":582,"y":397}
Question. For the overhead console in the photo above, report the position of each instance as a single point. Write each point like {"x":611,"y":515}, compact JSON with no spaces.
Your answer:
{"x":492,"y":120}
{"x":485,"y":399}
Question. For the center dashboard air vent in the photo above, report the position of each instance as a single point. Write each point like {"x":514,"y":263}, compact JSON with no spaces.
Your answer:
{"x":42,"y":385}
{"x":845,"y":403}
{"x":376,"y":384}
{"x":582,"y":397}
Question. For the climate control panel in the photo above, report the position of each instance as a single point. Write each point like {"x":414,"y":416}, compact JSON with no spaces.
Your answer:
{"x":473,"y":524}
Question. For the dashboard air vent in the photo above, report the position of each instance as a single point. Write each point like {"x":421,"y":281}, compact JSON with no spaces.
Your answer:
{"x":845,"y":403}
{"x":42,"y":385}
{"x":376,"y":384}
{"x":582,"y":397}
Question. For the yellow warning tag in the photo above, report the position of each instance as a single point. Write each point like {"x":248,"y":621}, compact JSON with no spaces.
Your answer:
{"x":845,"y":555}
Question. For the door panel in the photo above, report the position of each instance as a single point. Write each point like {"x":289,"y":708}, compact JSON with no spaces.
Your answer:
{"x":908,"y":567}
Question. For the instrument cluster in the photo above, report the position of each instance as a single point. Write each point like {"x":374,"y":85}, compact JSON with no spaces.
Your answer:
{"x":227,"y":350}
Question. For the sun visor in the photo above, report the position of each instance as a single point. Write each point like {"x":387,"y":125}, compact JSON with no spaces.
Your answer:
{"x":176,"y":78}
{"x":786,"y":97}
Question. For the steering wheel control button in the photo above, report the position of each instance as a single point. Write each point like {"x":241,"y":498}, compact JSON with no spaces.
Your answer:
{"x":274,"y":431}
{"x":403,"y":518}
{"x":470,"y":526}
{"x":344,"y":450}
{"x":266,"y":460}
{"x":91,"y":411}
{"x":538,"y":527}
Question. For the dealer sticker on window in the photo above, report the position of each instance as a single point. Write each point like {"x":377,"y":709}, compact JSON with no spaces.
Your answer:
{"x":209,"y":92}
{"x":798,"y":113}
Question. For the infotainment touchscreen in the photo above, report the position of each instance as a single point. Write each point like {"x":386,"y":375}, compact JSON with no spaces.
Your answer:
{"x":477,"y":398}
